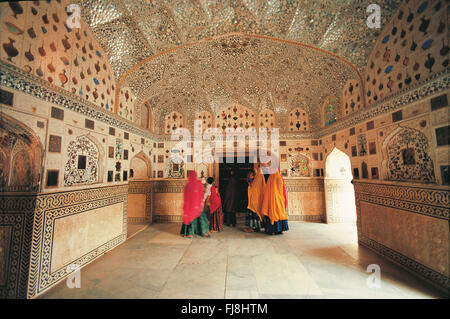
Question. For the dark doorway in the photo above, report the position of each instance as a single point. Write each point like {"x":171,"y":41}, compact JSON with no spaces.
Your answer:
{"x":240,"y":170}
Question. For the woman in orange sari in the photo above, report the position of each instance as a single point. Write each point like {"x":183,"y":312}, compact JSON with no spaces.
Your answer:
{"x":256,"y":184}
{"x":274,"y":205}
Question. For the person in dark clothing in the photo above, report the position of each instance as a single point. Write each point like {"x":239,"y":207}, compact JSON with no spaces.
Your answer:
{"x":230,"y":201}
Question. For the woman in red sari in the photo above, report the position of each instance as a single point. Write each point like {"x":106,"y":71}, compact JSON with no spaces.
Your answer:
{"x":193,"y":207}
{"x":215,"y":207}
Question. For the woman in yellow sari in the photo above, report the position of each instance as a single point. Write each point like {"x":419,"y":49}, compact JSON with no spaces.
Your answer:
{"x":274,"y":205}
{"x":256,"y":184}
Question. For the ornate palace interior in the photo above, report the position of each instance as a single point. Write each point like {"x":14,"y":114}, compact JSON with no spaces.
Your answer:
{"x":87,"y":113}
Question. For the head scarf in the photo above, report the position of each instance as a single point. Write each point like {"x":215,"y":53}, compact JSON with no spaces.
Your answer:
{"x":214,"y":200}
{"x":193,"y":196}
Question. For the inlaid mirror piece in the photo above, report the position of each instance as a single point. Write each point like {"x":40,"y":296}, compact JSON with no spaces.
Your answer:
{"x":173,"y":121}
{"x":235,"y":116}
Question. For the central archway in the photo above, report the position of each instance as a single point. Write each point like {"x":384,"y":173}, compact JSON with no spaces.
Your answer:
{"x":339,"y":191}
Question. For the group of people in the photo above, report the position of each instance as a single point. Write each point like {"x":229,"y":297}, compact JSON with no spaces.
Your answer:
{"x":267,"y":203}
{"x":202,"y":208}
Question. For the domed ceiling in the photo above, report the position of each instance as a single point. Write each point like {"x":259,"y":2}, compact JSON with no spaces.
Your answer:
{"x":196,"y":55}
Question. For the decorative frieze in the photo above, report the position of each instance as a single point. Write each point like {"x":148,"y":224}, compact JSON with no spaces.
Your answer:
{"x":300,"y":185}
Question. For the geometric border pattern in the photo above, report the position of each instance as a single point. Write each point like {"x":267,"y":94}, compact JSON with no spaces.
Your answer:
{"x":170,"y":186}
{"x":167,"y":218}
{"x":309,"y":218}
{"x":430,"y":202}
{"x":49,"y":207}
{"x":434,"y":278}
{"x":308,"y":185}
{"x":17,"y":212}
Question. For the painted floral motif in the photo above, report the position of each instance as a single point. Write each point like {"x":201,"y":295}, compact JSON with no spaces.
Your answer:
{"x":175,"y":170}
{"x":408,"y":158}
{"x":299,"y":166}
{"x":73,"y":172}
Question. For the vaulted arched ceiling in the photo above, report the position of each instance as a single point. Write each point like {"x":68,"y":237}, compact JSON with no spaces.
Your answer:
{"x":200,"y":54}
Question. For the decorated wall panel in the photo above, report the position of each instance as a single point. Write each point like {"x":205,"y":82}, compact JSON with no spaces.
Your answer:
{"x":87,"y":203}
{"x":298,"y":120}
{"x":20,"y":157}
{"x":235,"y":116}
{"x":408,"y":156}
{"x":352,"y":97}
{"x":266,"y":119}
{"x":411,"y":48}
{"x":299,"y":165}
{"x":84,"y":165}
{"x":126,"y":104}
{"x":206,"y":118}
{"x":36,"y":38}
{"x":408,"y":225}
{"x":173,"y":121}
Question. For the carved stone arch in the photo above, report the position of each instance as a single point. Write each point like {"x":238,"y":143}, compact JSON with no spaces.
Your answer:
{"x":21,"y":156}
{"x":341,"y":171}
{"x":87,"y":146}
{"x":406,"y":156}
{"x":339,"y":191}
{"x":141,"y":167}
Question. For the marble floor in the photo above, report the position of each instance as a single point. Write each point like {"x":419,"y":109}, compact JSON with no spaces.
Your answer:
{"x":312,"y":260}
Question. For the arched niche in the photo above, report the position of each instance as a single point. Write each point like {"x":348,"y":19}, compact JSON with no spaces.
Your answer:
{"x":339,"y":191}
{"x":146,"y":116}
{"x":20,"y":157}
{"x":406,"y":157}
{"x":140,"y":167}
{"x":84,"y":164}
{"x":338,"y":165}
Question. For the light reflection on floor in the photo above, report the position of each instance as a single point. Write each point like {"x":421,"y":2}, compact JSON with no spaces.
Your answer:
{"x":312,"y":260}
